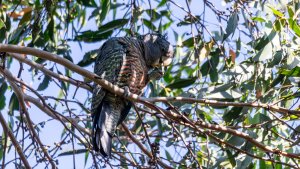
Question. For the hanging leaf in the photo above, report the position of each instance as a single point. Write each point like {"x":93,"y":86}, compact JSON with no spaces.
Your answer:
{"x":2,"y":24}
{"x":231,"y":25}
{"x":3,"y":89}
{"x":233,"y":114}
{"x":105,"y":7}
{"x":88,"y":58}
{"x":13,"y":104}
{"x":149,"y":24}
{"x":44,"y":83}
{"x":231,"y":158}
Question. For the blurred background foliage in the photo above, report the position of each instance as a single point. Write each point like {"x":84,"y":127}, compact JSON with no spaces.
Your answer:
{"x":229,"y":51}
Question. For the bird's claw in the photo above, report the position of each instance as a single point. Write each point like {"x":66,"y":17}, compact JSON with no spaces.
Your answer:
{"x":126,"y":91}
{"x":155,"y":74}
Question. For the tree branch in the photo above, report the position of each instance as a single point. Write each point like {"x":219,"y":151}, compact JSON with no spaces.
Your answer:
{"x":140,"y":145}
{"x":14,"y":141}
{"x":20,"y":97}
{"x":219,"y":103}
{"x":50,"y":73}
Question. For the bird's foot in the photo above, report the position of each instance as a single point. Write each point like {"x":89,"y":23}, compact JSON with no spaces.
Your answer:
{"x":155,"y":74}
{"x":126,"y":91}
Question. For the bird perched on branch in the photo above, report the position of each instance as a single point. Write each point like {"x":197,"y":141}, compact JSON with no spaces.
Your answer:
{"x":125,"y":62}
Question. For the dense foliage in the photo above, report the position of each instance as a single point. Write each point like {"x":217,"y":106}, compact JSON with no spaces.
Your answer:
{"x":229,"y":99}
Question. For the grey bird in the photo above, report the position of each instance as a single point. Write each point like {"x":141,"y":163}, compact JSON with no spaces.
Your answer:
{"x":125,"y":62}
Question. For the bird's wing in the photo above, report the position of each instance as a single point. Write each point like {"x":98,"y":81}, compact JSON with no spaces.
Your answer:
{"x":107,"y":66}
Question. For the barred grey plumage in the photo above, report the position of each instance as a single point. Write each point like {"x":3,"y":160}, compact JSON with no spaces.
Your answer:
{"x":125,"y":62}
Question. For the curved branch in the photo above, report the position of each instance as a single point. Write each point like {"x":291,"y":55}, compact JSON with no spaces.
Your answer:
{"x":119,"y":91}
{"x":50,"y":73}
{"x":20,"y":97}
{"x":69,"y":65}
{"x":140,"y":145}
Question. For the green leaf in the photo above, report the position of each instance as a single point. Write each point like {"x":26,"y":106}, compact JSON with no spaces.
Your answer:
{"x":236,"y":141}
{"x":86,"y":156}
{"x":166,"y":26}
{"x":44,"y":83}
{"x":263,"y":41}
{"x":233,"y":114}
{"x":295,"y":72}
{"x":71,"y":152}
{"x":224,"y":95}
{"x":105,"y":7}
{"x":276,"y":12}
{"x":276,"y":81}
{"x":162,"y":3}
{"x":293,"y":24}
{"x":290,"y":11}
{"x":169,"y":142}
{"x":181,"y":83}
{"x":153,"y":14}
{"x":168,"y":155}
{"x":2,"y":24}
{"x":149,"y":24}
{"x":2,"y":143}
{"x":264,"y":54}
{"x":103,"y":33}
{"x":3,"y":89}
{"x":25,"y":19}
{"x":88,"y":58}
{"x":88,"y":3}
{"x":259,"y":19}
{"x":261,"y":118}
{"x":190,"y":41}
{"x":93,"y":36}
{"x":231,"y":158}
{"x":113,"y":25}
{"x":277,"y":58}
{"x":246,"y":162}
{"x":231,"y":25}
{"x":13,"y":104}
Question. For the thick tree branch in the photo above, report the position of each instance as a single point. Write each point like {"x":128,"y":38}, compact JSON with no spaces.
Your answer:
{"x":69,"y":65}
{"x":119,"y":91}
{"x":169,"y":115}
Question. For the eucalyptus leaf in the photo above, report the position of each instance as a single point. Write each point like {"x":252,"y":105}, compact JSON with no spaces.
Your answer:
{"x":231,"y":25}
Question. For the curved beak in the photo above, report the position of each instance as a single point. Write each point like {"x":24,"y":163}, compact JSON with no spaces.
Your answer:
{"x":167,"y":60}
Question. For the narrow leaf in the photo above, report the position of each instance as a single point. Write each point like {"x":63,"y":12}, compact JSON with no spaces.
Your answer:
{"x":276,"y":12}
{"x":181,"y":83}
{"x":2,"y":24}
{"x":88,"y":58}
{"x":44,"y":83}
{"x":71,"y":152}
{"x":231,"y":25}
{"x":105,"y":7}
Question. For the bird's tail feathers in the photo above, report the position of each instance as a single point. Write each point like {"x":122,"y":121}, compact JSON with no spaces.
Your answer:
{"x":102,"y":140}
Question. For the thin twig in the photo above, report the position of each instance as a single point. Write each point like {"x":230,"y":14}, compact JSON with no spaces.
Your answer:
{"x":14,"y":141}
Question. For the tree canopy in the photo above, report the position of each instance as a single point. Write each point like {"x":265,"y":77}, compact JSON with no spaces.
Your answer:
{"x":230,"y":98}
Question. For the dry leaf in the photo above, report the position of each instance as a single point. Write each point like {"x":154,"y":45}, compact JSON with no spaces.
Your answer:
{"x":17,"y":14}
